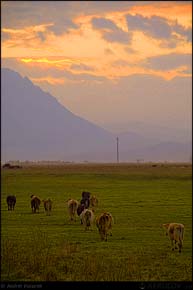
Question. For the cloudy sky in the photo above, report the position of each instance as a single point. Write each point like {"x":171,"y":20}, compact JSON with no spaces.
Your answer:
{"x":108,"y":61}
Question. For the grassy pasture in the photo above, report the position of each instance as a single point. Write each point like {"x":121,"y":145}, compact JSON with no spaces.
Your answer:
{"x":36,"y":247}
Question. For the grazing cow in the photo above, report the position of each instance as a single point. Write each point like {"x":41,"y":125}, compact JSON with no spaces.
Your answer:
{"x":9,"y":166}
{"x":80,"y":209}
{"x":175,"y":232}
{"x":72,"y":208}
{"x":87,"y":217}
{"x":93,"y":201}
{"x":11,"y":201}
{"x":85,"y":199}
{"x":6,"y":165}
{"x":35,"y":203}
{"x":104,"y":224}
{"x":47,"y":205}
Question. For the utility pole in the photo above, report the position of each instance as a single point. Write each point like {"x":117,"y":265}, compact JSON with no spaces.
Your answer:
{"x":117,"y":150}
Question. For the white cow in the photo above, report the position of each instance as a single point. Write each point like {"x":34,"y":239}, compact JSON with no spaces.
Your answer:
{"x":87,"y":217}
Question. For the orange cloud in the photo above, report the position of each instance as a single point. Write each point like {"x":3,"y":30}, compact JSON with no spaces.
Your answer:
{"x":86,"y":42}
{"x":23,"y":41}
{"x":85,"y":46}
{"x":59,"y":81}
{"x":58,"y":63}
{"x":124,"y":71}
{"x":29,"y":29}
{"x":49,"y":61}
{"x":170,"y":10}
{"x":107,"y":70}
{"x":49,"y":80}
{"x":62,"y":63}
{"x":40,"y":27}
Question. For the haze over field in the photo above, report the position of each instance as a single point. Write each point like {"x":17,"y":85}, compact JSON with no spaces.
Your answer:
{"x":101,"y":70}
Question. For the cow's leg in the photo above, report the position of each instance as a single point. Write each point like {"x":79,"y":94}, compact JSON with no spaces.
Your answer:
{"x":176,"y":245}
{"x":104,"y":236}
{"x":101,"y":235}
{"x":172,"y":245}
{"x":180,"y":246}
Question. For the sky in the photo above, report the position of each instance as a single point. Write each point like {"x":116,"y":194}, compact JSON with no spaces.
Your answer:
{"x":110,"y":62}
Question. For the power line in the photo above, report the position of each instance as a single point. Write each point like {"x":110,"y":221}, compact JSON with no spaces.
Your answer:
{"x":117,"y":150}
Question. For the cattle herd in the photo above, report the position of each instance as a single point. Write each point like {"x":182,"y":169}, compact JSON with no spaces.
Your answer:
{"x":85,"y":209}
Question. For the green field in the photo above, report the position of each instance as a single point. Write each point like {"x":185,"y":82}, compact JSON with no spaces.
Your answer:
{"x":36,"y":247}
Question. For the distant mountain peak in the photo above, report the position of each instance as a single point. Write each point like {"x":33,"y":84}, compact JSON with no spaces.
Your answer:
{"x":36,"y":126}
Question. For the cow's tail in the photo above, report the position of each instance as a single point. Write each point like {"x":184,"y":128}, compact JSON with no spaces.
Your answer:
{"x":104,"y":219}
{"x":181,"y":236}
{"x":180,"y":231}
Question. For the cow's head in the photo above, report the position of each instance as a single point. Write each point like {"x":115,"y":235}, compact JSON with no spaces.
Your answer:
{"x":165,"y":226}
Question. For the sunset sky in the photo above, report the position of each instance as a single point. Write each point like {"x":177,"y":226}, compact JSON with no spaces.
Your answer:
{"x":106,"y":61}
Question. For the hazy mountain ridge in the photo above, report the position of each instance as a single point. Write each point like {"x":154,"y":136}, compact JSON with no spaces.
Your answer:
{"x":35,"y":126}
{"x":159,"y":132}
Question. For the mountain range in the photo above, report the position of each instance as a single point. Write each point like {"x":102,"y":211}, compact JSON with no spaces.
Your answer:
{"x":35,"y":126}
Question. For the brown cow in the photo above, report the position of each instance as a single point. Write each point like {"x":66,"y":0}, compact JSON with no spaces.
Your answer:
{"x":93,"y":201}
{"x":175,"y":232}
{"x":35,"y":203}
{"x":72,"y":208}
{"x":104,"y":224}
{"x":47,"y":205}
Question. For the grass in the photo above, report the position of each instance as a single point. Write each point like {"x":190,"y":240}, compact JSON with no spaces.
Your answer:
{"x":36,"y":247}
